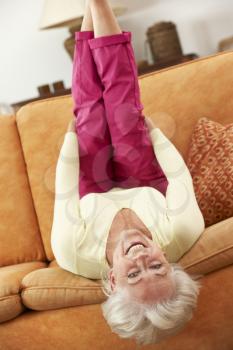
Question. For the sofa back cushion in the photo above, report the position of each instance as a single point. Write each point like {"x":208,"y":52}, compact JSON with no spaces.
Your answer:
{"x":175,"y":98}
{"x":20,"y":239}
{"x":42,"y":126}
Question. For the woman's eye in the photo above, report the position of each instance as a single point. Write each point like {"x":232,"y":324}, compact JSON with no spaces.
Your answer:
{"x":156,"y":266}
{"x":133,"y":274}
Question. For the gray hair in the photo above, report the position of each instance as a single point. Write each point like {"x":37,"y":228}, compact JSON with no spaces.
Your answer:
{"x":151,"y":323}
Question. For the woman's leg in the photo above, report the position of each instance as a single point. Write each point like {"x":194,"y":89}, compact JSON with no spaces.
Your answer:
{"x":87,"y":22}
{"x":103,"y":18}
{"x":95,"y":149}
{"x":135,"y":163}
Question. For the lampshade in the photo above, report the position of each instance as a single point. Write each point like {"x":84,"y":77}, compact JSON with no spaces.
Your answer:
{"x":60,"y":13}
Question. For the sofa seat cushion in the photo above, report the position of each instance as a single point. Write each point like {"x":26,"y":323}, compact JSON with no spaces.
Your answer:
{"x":10,"y":298}
{"x":55,"y":288}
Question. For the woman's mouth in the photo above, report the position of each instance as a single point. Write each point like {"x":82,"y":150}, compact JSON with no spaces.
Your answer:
{"x":137,"y":246}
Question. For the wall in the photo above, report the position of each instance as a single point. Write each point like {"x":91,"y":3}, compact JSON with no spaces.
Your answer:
{"x":30,"y":57}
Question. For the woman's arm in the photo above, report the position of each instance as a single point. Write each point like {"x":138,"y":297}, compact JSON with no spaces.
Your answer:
{"x":169,"y":158}
{"x":68,"y":225}
{"x":182,"y":207}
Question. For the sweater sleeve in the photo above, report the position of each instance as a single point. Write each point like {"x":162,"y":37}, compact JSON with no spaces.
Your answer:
{"x":182,"y":207}
{"x":169,"y":158}
{"x":68,"y":225}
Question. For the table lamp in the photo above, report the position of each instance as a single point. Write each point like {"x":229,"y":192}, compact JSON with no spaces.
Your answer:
{"x":67,"y":13}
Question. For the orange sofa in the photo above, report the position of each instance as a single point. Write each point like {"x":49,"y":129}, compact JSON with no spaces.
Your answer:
{"x":45,"y":307}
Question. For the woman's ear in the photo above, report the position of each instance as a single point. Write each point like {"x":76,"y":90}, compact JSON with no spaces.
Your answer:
{"x":112,"y":280}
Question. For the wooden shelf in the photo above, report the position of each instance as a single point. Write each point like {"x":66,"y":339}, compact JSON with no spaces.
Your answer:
{"x":167,"y":63}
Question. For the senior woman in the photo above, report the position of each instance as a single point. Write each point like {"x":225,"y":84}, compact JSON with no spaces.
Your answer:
{"x":125,"y":209}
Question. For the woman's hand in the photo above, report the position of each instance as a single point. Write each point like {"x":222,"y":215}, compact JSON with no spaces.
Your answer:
{"x":150,"y":123}
{"x":71,"y":126}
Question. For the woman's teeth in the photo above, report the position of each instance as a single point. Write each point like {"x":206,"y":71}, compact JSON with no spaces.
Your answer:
{"x":135,"y":248}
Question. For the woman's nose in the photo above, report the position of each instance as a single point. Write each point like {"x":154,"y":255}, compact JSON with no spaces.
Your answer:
{"x":141,"y":258}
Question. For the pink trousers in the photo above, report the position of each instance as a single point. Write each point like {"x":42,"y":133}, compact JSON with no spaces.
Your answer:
{"x":115,"y":148}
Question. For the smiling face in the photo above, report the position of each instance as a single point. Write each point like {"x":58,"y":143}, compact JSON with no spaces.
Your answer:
{"x":140,"y":267}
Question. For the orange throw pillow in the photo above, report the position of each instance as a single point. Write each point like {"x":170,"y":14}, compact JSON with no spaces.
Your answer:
{"x":210,"y":161}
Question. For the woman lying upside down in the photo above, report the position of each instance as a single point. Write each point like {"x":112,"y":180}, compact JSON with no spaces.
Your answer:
{"x":125,"y":209}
